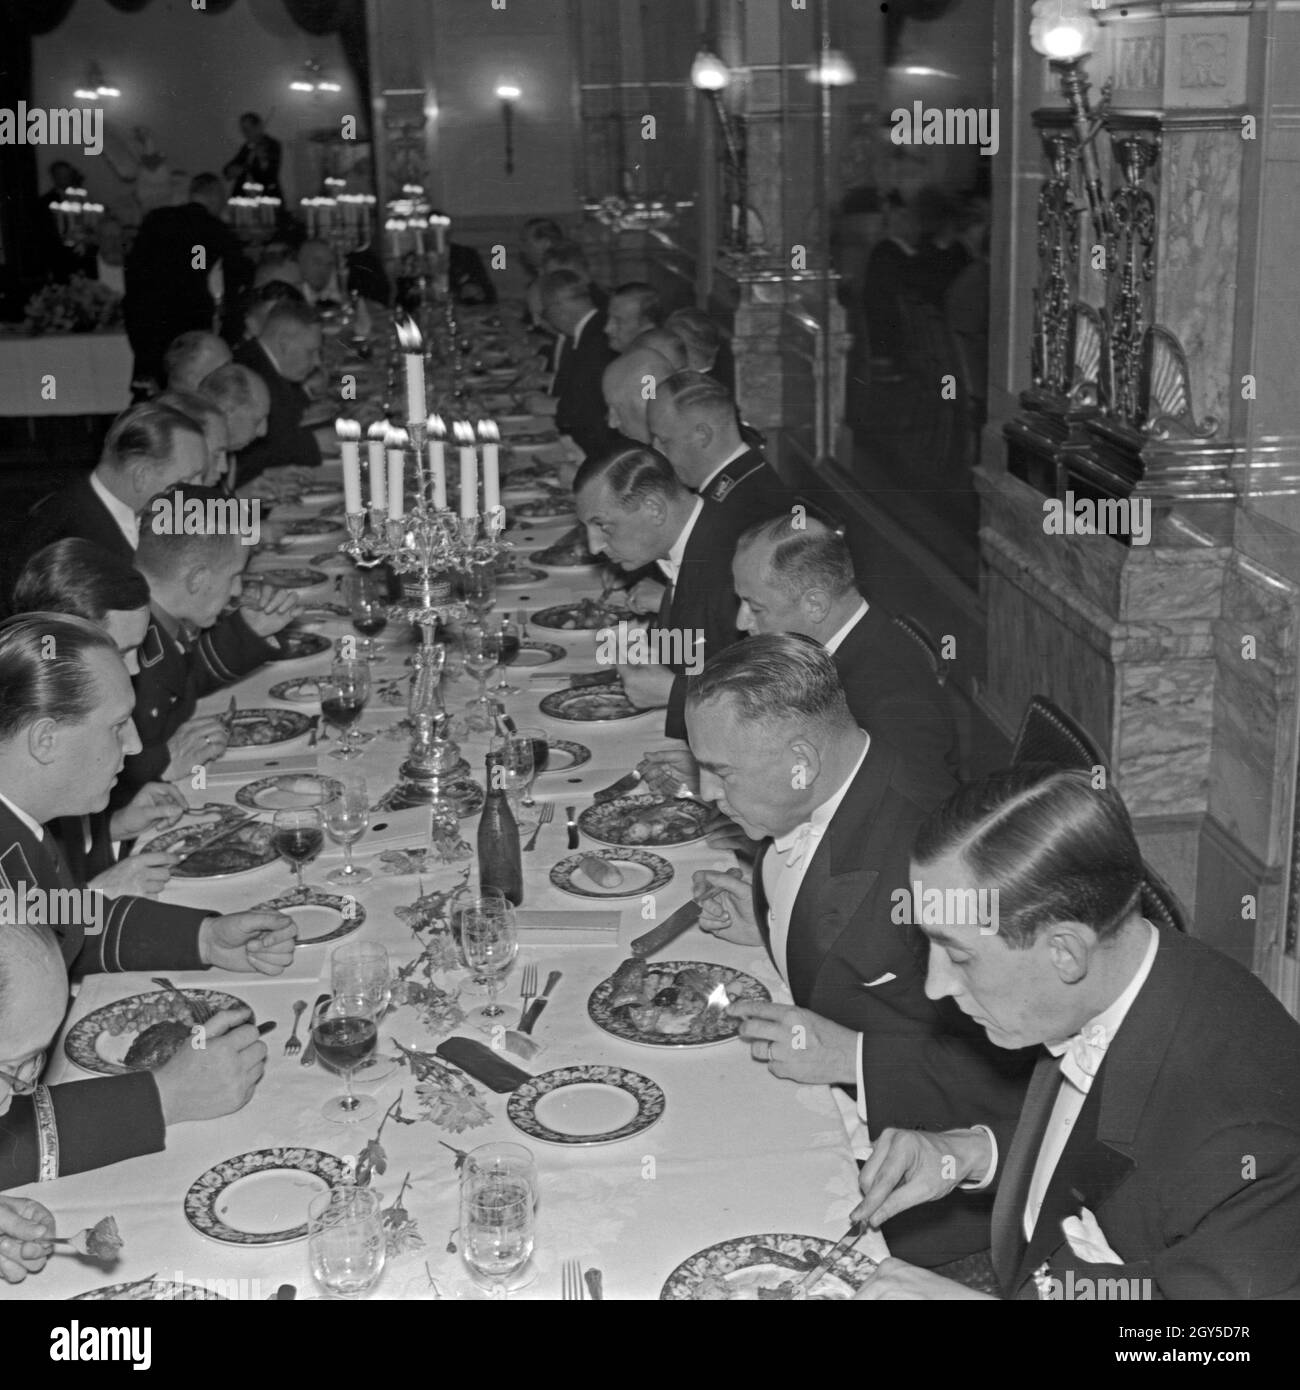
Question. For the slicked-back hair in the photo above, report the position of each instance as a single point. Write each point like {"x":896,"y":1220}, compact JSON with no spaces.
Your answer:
{"x":775,"y":678}
{"x":633,"y":475}
{"x":193,"y":406}
{"x":1056,"y":848}
{"x":146,"y":431}
{"x":561,"y":285}
{"x":231,"y":387}
{"x":44,"y":672}
{"x":186,"y":348}
{"x":646,"y":297}
{"x":692,"y":391}
{"x":170,"y":553}
{"x":76,"y":577}
{"x":696,"y":329}
{"x":288,"y":315}
{"x":804,"y":557}
{"x":19,"y":940}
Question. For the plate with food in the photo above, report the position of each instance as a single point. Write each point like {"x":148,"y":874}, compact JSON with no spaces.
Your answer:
{"x":585,"y":615}
{"x":297,"y":643}
{"x":597,"y":704}
{"x":535,"y":475}
{"x":563,"y":755}
{"x":289,"y":791}
{"x":261,"y":1197}
{"x":611,"y":873}
{"x":301,"y":690}
{"x":553,"y":508}
{"x":765,"y":1269}
{"x":663,"y":822}
{"x":320,"y":916}
{"x":262,"y":728}
{"x":672,"y":1003}
{"x":242,"y":851}
{"x":568,"y":553}
{"x":311,"y":530}
{"x":590,"y":1104}
{"x":281,"y":577}
{"x":150,"y":1291}
{"x":142,"y":1032}
{"x":520,"y":578}
{"x":320,"y":490}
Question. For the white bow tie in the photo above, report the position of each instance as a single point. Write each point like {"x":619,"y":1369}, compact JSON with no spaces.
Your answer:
{"x":794,"y":848}
{"x":1082,"y":1056}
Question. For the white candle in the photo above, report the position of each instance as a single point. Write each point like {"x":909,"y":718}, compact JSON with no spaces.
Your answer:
{"x":415,"y":406}
{"x":349,"y":433}
{"x":464,"y":432}
{"x":396,"y":485}
{"x":438,"y":461}
{"x":490,"y":436}
{"x":375,"y":459}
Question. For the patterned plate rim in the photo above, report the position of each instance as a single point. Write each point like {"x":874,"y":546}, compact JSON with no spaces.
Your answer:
{"x":79,"y":1044}
{"x":558,"y":608}
{"x":316,"y":641}
{"x":521,"y":1108}
{"x":271,"y":855}
{"x":320,"y":576}
{"x":318,"y":897}
{"x":554,"y":706}
{"x":588,"y":816}
{"x":284,"y":686}
{"x":513,"y":579}
{"x":852,"y":1267}
{"x":579,"y":752}
{"x":534,"y":644}
{"x":201,"y":1198}
{"x":107,"y":1292}
{"x":599,"y":1013}
{"x":247,"y":794}
{"x":661,"y":871}
{"x":246,"y":715}
{"x":535,"y":558}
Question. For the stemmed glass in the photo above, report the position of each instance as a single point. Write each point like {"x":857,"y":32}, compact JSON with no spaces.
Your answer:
{"x":345,"y":1240}
{"x":498,"y":1213}
{"x":346,"y":818}
{"x":490,"y":942}
{"x":480,"y":586}
{"x":343,"y":696}
{"x":345,"y":1028}
{"x":541,"y":750}
{"x":514,"y":756}
{"x":365,"y":595}
{"x":298,"y":837}
{"x":480,"y":657}
{"x":507,"y":636}
{"x":362,"y":968}
{"x":469,"y":901}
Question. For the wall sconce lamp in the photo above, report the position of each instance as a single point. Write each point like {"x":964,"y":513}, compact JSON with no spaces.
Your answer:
{"x":710,"y":75}
{"x":509,"y":94}
{"x":832,"y":69}
{"x":95,"y":87}
{"x":315,"y":79}
{"x":1065,"y":33}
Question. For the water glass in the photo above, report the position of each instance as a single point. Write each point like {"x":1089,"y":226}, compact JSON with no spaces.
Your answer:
{"x":498,"y":1214}
{"x":345,"y":1241}
{"x":346,"y":818}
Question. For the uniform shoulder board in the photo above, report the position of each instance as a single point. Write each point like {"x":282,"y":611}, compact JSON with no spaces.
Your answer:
{"x":15,"y":868}
{"x":151,"y":649}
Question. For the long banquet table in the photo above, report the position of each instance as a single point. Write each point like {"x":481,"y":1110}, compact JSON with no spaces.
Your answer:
{"x":736,"y":1151}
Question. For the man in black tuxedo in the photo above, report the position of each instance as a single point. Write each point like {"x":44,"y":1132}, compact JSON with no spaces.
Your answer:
{"x":169,"y":284}
{"x":634,"y":308}
{"x":257,"y":161}
{"x":186,"y":652}
{"x":836,"y":813}
{"x":284,"y":354}
{"x":243,"y":398}
{"x":796,"y":575}
{"x":629,"y":384}
{"x":575,"y":397}
{"x":635,"y":511}
{"x":65,"y":727}
{"x":1158,"y":1151}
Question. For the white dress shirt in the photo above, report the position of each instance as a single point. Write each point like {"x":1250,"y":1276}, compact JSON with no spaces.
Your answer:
{"x":34,"y":826}
{"x":784,"y":868}
{"x":582,"y":323}
{"x":672,"y":564}
{"x":127,"y":521}
{"x":743,"y":448}
{"x":855,"y":618}
{"x":1081,"y":1057}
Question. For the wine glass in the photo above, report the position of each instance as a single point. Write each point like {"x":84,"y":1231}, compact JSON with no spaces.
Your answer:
{"x":480,"y":585}
{"x":541,"y":749}
{"x":363,"y":968}
{"x":480,"y":657}
{"x":365,"y":595}
{"x":298,"y":837}
{"x":346,"y":818}
{"x":469,"y":901}
{"x":507,"y":635}
{"x":345,"y":1028}
{"x":490,"y":942}
{"x":498,"y":1213}
{"x":343,"y":696}
{"x":345,"y":1240}
{"x":514,"y":757}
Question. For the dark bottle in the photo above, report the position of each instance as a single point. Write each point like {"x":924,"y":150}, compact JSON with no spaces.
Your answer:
{"x":500,"y":864}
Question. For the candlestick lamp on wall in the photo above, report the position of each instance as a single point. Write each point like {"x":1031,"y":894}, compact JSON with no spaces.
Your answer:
{"x":509,"y":94}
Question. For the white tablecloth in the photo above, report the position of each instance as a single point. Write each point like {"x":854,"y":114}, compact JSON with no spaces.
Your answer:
{"x":91,"y":374}
{"x":737,"y":1151}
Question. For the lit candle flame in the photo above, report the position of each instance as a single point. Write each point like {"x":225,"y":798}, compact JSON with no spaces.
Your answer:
{"x":408,"y":335}
{"x":487,"y":430}
{"x":378,"y":431}
{"x":396,"y":438}
{"x":347,"y":429}
{"x":462,"y":431}
{"x":435,"y":427}
{"x":718,"y":997}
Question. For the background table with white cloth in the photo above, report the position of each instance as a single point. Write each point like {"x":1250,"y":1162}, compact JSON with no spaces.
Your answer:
{"x":91,"y":373}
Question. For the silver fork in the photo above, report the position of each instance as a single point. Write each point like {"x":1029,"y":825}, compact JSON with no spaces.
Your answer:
{"x":571,"y":1285}
{"x":527,"y":988}
{"x":544,"y":817}
{"x":292,"y":1047}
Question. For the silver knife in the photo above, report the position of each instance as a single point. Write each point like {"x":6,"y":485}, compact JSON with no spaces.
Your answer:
{"x":535,"y":1008}
{"x":572,"y":813}
{"x":315,"y":731}
{"x":850,"y":1237}
{"x":309,"y":1052}
{"x":216,"y":838}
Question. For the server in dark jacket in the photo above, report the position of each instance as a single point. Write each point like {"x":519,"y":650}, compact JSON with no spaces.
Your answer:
{"x":579,"y":405}
{"x":780,"y":753}
{"x":169,"y":283}
{"x":635,"y":511}
{"x":799,"y":578}
{"x":284,"y":354}
{"x":65,"y":727}
{"x":1158,"y":1152}
{"x":186,"y":653}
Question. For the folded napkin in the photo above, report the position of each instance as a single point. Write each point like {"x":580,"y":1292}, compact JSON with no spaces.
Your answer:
{"x":567,"y":926}
{"x":248,"y":769}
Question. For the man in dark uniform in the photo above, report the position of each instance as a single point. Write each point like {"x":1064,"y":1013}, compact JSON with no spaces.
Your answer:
{"x":284,"y":354}
{"x":65,"y":729}
{"x":186,"y":653}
